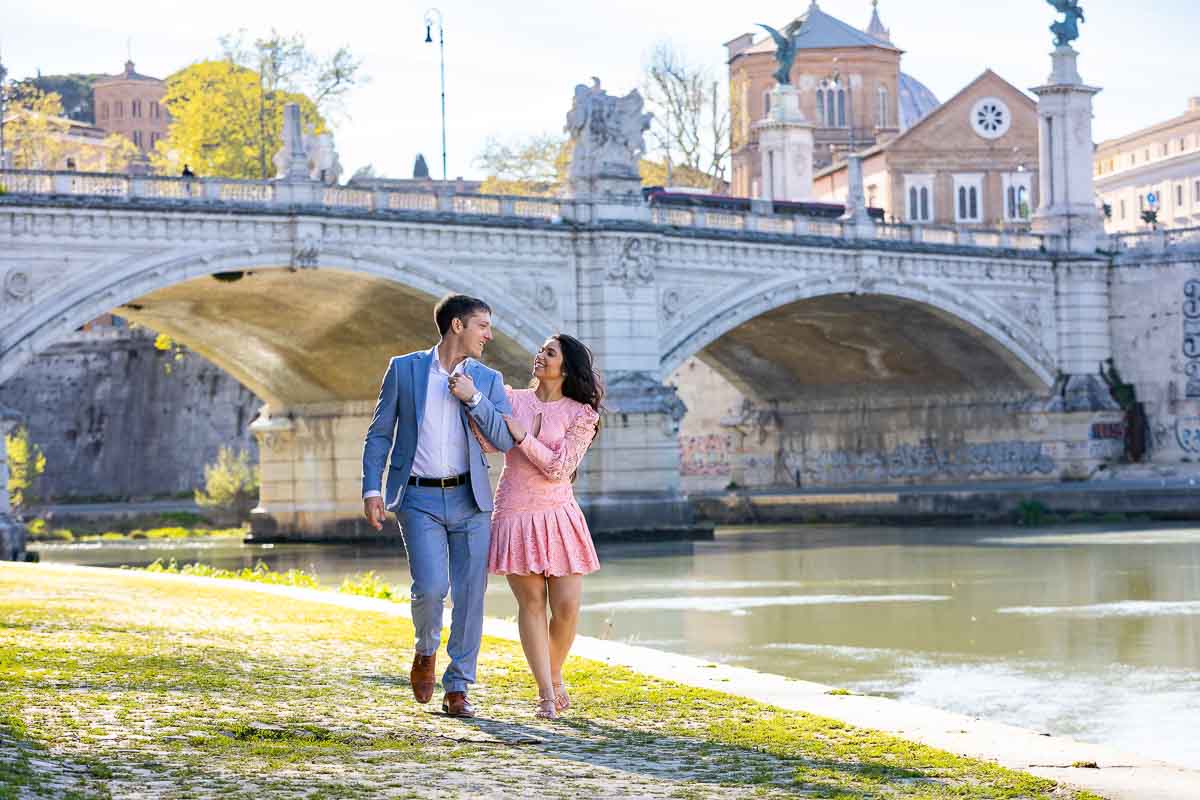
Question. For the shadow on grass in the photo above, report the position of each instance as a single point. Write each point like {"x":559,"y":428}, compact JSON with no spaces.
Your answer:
{"x":655,"y":756}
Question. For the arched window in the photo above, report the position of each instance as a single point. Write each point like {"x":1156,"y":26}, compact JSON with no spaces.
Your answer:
{"x":973,"y":194}
{"x":154,"y":109}
{"x":1012,"y":202}
{"x":883,"y":107}
{"x":821,"y":107}
{"x":841,"y":109}
{"x":962,"y":202}
{"x":830,"y":108}
{"x":913,"y":203}
{"x":925,"y":204}
{"x":119,"y":109}
{"x":104,"y":111}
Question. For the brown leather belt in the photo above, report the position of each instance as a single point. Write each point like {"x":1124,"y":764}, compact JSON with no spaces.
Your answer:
{"x":441,"y":483}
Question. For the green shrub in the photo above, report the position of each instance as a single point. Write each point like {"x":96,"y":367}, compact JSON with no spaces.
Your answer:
{"x":1032,"y":513}
{"x":26,"y":462}
{"x":230,"y":485}
{"x":260,"y":573}
{"x":368,"y":584}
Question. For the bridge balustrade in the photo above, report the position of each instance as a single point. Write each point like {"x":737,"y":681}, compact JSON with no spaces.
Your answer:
{"x":552,"y":209}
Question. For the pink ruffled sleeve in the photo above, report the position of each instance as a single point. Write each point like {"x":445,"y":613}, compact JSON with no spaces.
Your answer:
{"x":559,"y":460}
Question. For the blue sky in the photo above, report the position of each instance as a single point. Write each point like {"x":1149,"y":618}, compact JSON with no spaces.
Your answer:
{"x":511,"y":66}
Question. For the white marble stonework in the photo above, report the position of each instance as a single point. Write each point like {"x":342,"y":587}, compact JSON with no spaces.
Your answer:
{"x":304,"y":304}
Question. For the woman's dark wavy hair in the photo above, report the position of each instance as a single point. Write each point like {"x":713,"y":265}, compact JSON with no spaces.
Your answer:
{"x":581,"y":381}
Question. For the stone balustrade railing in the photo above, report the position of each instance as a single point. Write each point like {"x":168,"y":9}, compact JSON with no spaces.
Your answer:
{"x":282,"y":193}
{"x":1159,"y":240}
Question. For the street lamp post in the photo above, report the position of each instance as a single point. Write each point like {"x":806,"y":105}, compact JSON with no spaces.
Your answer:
{"x":431,"y":16}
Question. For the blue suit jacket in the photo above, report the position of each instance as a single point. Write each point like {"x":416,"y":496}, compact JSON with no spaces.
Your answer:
{"x":398,"y":417}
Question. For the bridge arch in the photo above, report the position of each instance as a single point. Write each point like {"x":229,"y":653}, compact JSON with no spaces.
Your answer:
{"x":976,"y":342}
{"x":380,"y":305}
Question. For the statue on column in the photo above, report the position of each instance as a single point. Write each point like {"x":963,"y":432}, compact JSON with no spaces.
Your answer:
{"x":1067,"y":29}
{"x":606,"y":136}
{"x":785,"y":54}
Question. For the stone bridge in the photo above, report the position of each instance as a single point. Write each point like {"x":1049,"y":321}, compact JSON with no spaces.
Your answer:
{"x":302,"y":292}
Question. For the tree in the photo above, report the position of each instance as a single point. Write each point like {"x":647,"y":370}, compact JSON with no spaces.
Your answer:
{"x":215,"y":121}
{"x":534,"y":166}
{"x":26,"y":462}
{"x":35,"y":131}
{"x":75,"y":89}
{"x":118,"y":153}
{"x":285,"y":65}
{"x":691,"y":118}
{"x":231,"y":484}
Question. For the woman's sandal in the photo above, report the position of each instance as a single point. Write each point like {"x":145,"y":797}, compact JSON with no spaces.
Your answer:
{"x":562,"y":700}
{"x":546,"y":708}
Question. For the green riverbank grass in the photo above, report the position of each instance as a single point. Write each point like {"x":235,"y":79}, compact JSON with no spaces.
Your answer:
{"x":122,"y":683}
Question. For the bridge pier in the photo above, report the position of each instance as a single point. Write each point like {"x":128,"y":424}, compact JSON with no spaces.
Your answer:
{"x":310,"y":461}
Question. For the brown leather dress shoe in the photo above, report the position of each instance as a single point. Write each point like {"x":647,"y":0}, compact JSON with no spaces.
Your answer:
{"x":456,"y":704}
{"x":422,"y":677}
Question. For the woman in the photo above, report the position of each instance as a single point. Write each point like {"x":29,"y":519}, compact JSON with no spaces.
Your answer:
{"x":540,"y":539}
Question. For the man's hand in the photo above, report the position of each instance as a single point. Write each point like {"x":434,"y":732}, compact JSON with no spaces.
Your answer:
{"x":374,"y":511}
{"x":462,"y":387}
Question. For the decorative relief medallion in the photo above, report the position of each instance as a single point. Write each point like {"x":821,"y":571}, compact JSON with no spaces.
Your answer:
{"x":670,"y":303}
{"x":635,"y":264}
{"x":544,"y":297}
{"x":18,"y":284}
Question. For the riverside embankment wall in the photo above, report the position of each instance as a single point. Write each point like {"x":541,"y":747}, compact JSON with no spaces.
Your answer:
{"x":117,"y":417}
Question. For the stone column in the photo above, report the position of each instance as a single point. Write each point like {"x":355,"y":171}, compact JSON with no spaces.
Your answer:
{"x":310,"y":462}
{"x":293,"y":184}
{"x":630,"y":479}
{"x":12,"y":532}
{"x":1068,"y":212}
{"x":785,"y":145}
{"x":856,"y":219}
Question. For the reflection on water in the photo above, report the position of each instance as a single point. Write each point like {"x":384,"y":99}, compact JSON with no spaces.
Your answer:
{"x":1090,"y":632}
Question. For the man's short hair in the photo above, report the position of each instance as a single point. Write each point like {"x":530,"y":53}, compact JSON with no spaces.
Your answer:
{"x":457,"y":306}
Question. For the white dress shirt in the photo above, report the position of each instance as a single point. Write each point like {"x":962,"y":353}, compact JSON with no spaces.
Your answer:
{"x":441,"y":439}
{"x":442,"y":449}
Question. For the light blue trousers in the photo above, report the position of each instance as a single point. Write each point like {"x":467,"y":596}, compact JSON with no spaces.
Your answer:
{"x":447,"y":537}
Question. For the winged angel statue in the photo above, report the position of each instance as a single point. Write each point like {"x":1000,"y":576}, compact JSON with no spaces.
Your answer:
{"x":785,"y":54}
{"x":1066,"y":30}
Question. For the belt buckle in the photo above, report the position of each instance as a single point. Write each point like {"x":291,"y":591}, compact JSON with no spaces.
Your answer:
{"x":444,"y":482}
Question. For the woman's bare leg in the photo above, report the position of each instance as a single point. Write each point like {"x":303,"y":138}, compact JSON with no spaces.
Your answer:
{"x":530,"y":591}
{"x":565,"y":595}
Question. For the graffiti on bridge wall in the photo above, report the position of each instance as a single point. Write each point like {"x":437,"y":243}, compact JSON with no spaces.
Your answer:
{"x":706,"y":456}
{"x":965,"y":460}
{"x":1191,"y":337}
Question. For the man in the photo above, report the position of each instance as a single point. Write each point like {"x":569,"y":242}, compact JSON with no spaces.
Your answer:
{"x":438,"y":486}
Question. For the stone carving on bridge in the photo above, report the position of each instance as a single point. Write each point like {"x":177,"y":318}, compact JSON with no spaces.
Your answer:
{"x":18,"y":284}
{"x":606,"y":141}
{"x":634,"y":265}
{"x":634,"y":392}
{"x":306,"y":253}
{"x":545,"y":298}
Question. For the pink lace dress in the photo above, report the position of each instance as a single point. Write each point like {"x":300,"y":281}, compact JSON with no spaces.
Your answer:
{"x":537,"y":527}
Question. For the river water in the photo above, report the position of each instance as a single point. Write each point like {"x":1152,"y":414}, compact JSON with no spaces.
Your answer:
{"x":1091,"y":632}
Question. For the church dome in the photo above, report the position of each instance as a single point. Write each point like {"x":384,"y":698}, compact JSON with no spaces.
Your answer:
{"x":916,"y":101}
